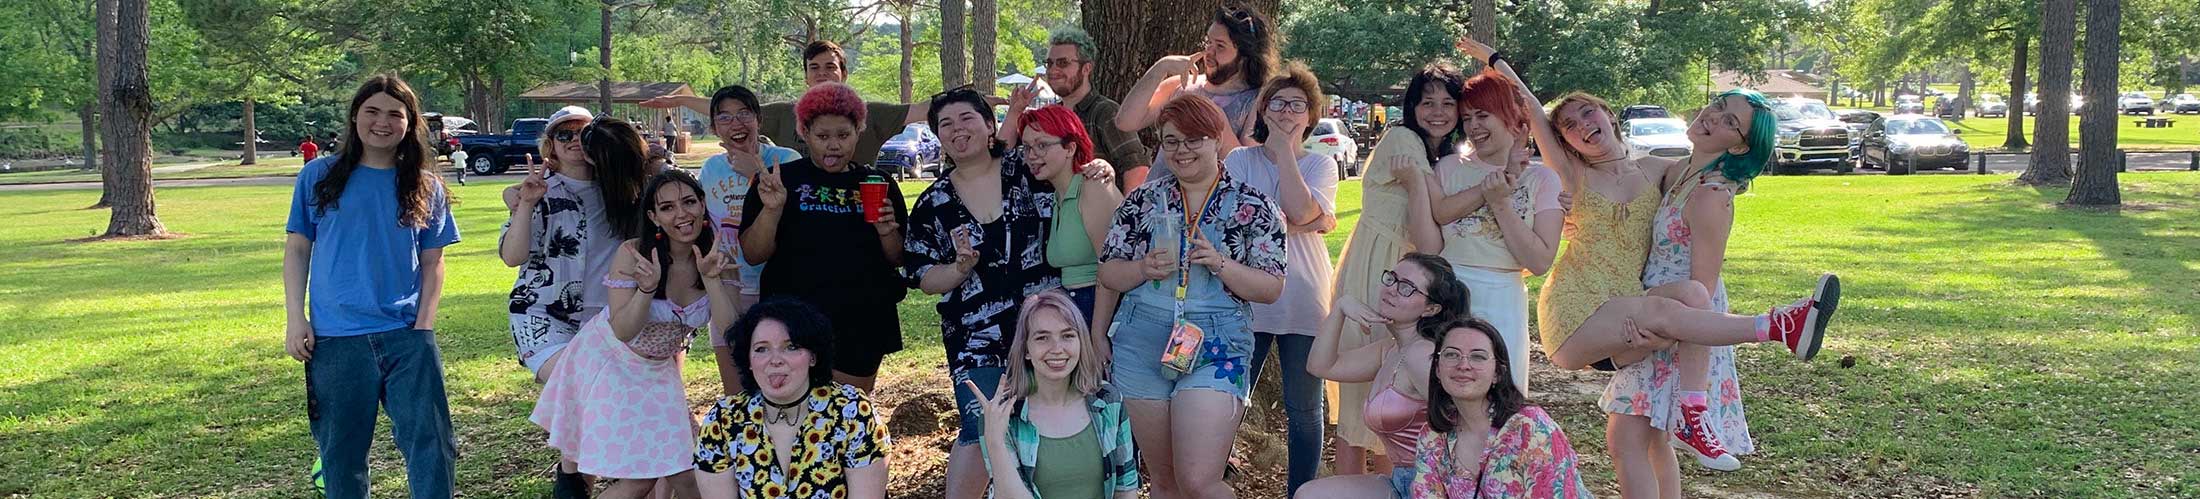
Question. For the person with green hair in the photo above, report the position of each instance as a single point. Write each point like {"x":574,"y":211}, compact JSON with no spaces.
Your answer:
{"x":1594,"y":311}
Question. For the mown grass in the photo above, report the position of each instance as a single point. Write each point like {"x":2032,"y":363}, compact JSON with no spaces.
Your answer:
{"x":2003,"y":347}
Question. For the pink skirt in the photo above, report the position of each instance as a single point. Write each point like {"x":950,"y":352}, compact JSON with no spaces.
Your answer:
{"x":616,"y":413}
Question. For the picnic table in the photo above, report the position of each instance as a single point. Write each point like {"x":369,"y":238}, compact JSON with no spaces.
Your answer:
{"x":2155,"y":122}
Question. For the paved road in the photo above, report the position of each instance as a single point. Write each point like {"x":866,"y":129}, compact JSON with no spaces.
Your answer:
{"x":158,"y":184}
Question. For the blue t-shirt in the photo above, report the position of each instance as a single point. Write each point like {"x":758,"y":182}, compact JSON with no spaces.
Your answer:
{"x":365,"y":270}
{"x":728,"y":189}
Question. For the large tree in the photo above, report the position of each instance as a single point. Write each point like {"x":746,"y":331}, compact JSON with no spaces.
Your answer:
{"x":2098,"y":158}
{"x":985,"y":26}
{"x":2051,"y":128}
{"x":263,"y":56}
{"x":129,"y":106}
{"x":954,"y":43}
{"x":1132,"y":34}
{"x":1362,"y":50}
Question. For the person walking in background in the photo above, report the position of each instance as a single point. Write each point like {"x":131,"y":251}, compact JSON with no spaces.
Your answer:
{"x":307,"y":149}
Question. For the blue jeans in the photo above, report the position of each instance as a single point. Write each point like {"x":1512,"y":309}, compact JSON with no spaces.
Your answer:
{"x":969,"y":413}
{"x":1303,"y":403}
{"x":350,"y":378}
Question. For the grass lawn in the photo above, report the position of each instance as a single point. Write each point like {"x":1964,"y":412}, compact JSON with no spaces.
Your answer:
{"x":2003,"y":348}
{"x":1989,"y":133}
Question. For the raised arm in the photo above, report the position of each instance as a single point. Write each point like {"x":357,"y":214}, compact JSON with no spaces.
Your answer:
{"x":1357,"y":365}
{"x":1154,"y":89}
{"x":1547,"y":138}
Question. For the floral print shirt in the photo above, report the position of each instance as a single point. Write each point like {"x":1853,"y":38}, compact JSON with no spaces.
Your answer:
{"x":977,"y":316}
{"x":1528,"y":457}
{"x":1240,"y":222}
{"x":840,"y":432}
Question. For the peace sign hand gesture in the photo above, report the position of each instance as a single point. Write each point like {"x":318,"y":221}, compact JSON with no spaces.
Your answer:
{"x":534,"y":186}
{"x":998,"y":408}
{"x":771,"y":189}
{"x":966,"y":251}
{"x":644,"y":270}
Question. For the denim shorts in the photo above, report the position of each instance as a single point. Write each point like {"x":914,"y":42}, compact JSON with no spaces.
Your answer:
{"x":1401,"y":482}
{"x":969,"y":413}
{"x":1141,"y":332}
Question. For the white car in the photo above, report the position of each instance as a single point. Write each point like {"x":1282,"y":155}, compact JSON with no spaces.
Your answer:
{"x":2032,"y":100}
{"x":1661,"y":137}
{"x":2184,"y":103}
{"x":1990,"y":105}
{"x":1334,"y":139}
{"x":2135,"y":103}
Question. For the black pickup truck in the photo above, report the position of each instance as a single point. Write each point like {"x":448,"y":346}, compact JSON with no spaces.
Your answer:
{"x":488,"y":154}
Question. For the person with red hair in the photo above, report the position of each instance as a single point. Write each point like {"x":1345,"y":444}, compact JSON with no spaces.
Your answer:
{"x":806,"y":227}
{"x":1057,"y":147}
{"x":1497,"y":219}
{"x":1189,"y":252}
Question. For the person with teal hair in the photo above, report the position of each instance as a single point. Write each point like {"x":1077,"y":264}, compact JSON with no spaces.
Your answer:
{"x":1760,"y":133}
{"x":1664,"y":222}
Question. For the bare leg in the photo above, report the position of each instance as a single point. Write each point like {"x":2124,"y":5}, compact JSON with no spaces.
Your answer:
{"x":1202,"y":444}
{"x":1604,"y":334}
{"x":1692,"y":360}
{"x":860,"y":382}
{"x":630,"y":488}
{"x":1364,"y":485}
{"x":1631,"y":442}
{"x":1351,"y":460}
{"x":729,"y":375}
{"x":1150,"y":431}
{"x":966,"y":477}
{"x":1668,"y":467}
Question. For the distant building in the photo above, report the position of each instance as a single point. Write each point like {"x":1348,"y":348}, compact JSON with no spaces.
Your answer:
{"x":1777,"y":83}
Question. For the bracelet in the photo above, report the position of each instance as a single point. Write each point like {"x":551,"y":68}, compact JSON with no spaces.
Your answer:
{"x":645,"y":291}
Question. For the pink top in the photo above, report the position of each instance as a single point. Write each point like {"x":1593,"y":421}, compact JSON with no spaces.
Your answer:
{"x":670,"y":325}
{"x":1398,"y":419}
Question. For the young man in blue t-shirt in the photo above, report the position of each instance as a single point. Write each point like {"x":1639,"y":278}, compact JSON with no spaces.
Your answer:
{"x":728,"y":177}
{"x":366,"y":235}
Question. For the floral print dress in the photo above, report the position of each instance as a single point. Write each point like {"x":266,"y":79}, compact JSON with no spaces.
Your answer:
{"x":1651,"y":388}
{"x":1527,"y":457}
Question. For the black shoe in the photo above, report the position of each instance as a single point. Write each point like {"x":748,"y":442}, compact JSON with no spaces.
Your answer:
{"x":569,"y":486}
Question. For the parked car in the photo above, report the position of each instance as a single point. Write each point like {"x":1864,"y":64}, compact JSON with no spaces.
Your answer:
{"x":491,"y":154}
{"x":1990,"y":105}
{"x":2184,"y":103}
{"x":1857,"y":120}
{"x":1909,"y":104}
{"x":1810,"y":135}
{"x":1333,"y":138}
{"x":2032,"y":101}
{"x":2135,"y":103}
{"x":911,"y":153}
{"x":1906,"y":143}
{"x":1661,"y":137}
{"x":1643,"y":111}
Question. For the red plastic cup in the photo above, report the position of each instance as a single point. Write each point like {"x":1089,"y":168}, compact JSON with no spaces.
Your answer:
{"x":874,"y":198}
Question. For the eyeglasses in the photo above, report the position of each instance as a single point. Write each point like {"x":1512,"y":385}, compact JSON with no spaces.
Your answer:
{"x":1063,"y":63}
{"x":1279,"y":105}
{"x":1174,"y":144}
{"x":1453,"y":357}
{"x":1406,"y":288}
{"x":742,"y":115}
{"x":1036,"y":145}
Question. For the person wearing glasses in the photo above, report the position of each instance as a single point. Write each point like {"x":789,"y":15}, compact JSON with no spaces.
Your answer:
{"x":1419,"y":293}
{"x":728,"y":178}
{"x":1237,"y":57}
{"x":1189,"y":252}
{"x":1304,"y":185}
{"x":1484,"y":441}
{"x":977,"y":237}
{"x":565,"y":227}
{"x":1070,"y":52}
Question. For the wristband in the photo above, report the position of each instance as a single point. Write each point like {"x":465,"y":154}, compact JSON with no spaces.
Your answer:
{"x":1494,"y":58}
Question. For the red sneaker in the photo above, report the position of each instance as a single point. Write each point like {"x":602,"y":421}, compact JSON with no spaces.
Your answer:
{"x":1802,"y":325}
{"x":1695,"y":437}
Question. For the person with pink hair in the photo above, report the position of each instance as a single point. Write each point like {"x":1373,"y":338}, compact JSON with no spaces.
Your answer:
{"x":806,"y":226}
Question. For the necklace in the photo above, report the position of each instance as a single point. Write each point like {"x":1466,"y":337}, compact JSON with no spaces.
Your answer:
{"x":781,"y":414}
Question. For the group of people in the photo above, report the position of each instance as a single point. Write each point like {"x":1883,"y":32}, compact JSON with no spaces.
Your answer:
{"x":1104,"y":308}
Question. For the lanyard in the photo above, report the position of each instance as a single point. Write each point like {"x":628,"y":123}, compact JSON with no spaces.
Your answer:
{"x":1192,"y":220}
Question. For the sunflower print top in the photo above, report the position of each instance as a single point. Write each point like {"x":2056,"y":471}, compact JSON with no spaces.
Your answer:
{"x":840,"y":432}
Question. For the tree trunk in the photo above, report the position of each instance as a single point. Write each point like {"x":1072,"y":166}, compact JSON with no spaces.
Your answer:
{"x":130,"y":104}
{"x":603,"y":86}
{"x":1879,"y":94}
{"x":1131,"y":36}
{"x":2051,"y":122}
{"x":985,"y":28}
{"x":2184,"y":70}
{"x":88,"y":127}
{"x":251,"y":133}
{"x":495,"y":105}
{"x":954,"y":60}
{"x":2018,"y":82}
{"x":908,"y":49}
{"x":2099,"y":159}
{"x":103,"y":25}
{"x":1965,"y":84}
{"x":1482,"y":20}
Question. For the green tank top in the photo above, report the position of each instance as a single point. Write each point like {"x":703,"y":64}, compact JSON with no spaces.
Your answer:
{"x":1069,"y":468}
{"x":1068,"y":248}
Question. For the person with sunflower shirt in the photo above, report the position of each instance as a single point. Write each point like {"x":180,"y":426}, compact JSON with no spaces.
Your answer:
{"x":791,"y":432}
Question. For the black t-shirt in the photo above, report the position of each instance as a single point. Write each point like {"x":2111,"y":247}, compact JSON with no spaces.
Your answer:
{"x":828,"y":256}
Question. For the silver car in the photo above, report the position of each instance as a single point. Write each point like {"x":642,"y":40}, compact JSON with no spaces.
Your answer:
{"x":1661,"y":137}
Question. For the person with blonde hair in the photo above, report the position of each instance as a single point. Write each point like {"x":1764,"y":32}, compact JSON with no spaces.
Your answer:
{"x":1052,"y":407}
